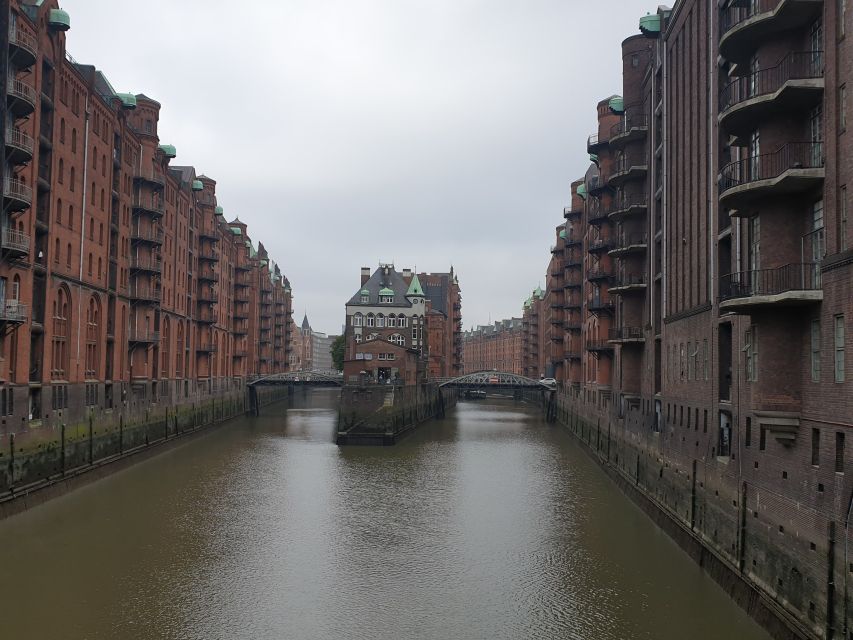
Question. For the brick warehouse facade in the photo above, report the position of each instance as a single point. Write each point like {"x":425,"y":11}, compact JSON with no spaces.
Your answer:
{"x":496,"y":347}
{"x":123,"y":287}
{"x":701,"y":288}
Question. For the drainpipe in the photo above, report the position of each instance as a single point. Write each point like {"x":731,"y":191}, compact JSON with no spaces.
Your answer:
{"x":846,"y":564}
{"x":82,"y":228}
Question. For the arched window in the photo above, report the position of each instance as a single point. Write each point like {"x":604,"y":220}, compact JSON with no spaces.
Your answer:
{"x":380,"y":321}
{"x":391,"y":321}
{"x":357,"y":320}
{"x":93,"y":316}
{"x":71,"y":216}
{"x":179,"y":360}
{"x":103,"y":200}
{"x":100,"y":267}
{"x":164,"y":348}
{"x":59,"y":211}
{"x":72,"y":179}
{"x":61,"y":171}
{"x":371,"y":320}
{"x":397,"y":339}
{"x":93,"y":194}
{"x":57,"y":252}
{"x":103,"y":166}
{"x":402,"y":322}
{"x":61,"y":330}
{"x":62,"y":131}
{"x":68,"y":255}
{"x":95,"y":158}
{"x":73,"y":140}
{"x":90,"y":264}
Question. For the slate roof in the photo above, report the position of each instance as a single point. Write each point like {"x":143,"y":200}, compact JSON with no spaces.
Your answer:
{"x":393,"y":280}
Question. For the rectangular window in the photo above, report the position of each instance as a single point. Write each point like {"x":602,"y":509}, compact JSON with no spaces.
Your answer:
{"x":747,"y":434}
{"x":839,"y":452}
{"x":842,"y":15}
{"x":839,"y":348}
{"x":842,"y":219}
{"x":750,"y":348}
{"x":815,"y":349}
{"x":815,"y":447}
{"x":762,"y":438}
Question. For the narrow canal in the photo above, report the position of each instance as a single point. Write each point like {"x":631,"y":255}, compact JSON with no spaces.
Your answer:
{"x":488,"y":524}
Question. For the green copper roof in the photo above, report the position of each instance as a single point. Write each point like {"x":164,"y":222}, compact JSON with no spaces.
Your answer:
{"x":385,"y":291}
{"x":593,"y":157}
{"x":128,"y":100}
{"x":365,"y":292}
{"x":415,"y":287}
{"x":563,"y":234}
{"x":650,"y":25}
{"x":219,"y":211}
{"x":59,"y":19}
{"x":538,"y":293}
{"x":197,"y":185}
{"x":581,"y":191}
{"x":264,"y":262}
{"x":237,"y":231}
{"x":617,"y":104}
{"x":287,"y":288}
{"x":168,"y":150}
{"x":253,"y":253}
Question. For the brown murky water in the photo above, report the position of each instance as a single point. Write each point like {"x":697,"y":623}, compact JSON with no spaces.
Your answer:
{"x":489,"y":524}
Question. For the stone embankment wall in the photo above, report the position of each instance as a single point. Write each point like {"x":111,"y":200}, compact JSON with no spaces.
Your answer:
{"x":381,"y":415}
{"x":49,"y":461}
{"x":787,"y":563}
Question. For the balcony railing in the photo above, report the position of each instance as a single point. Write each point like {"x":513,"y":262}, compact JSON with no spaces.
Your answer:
{"x":23,"y":96}
{"x":798,"y":65}
{"x":15,"y":241}
{"x":21,"y":145}
{"x":601,"y":244}
{"x":143,"y":292}
{"x":569,"y":212}
{"x":598,"y":344}
{"x":629,"y":126}
{"x":25,"y":42}
{"x":619,"y":334}
{"x":791,"y":156}
{"x":627,"y":205}
{"x":740,"y":12}
{"x":146,"y":263}
{"x":20,"y":195}
{"x":804,"y":276}
{"x":595,"y":142}
{"x":150,"y":177}
{"x":148,"y":205}
{"x":631,"y":242}
{"x":597,"y":304}
{"x":143,"y":336}
{"x":599,"y":274}
{"x":155,"y":236}
{"x":627,"y":282}
{"x":12,"y":311}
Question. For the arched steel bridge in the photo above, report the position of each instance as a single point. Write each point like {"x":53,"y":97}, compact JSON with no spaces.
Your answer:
{"x":493,"y":380}
{"x":303,"y":378}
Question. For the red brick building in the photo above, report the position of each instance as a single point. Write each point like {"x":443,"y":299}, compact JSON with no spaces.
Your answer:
{"x":496,"y":347}
{"x":444,"y":324}
{"x":703,"y":282}
{"x":122,"y":284}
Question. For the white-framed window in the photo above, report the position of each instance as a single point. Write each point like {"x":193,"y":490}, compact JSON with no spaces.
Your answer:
{"x":365,"y":298}
{"x":402,"y":322}
{"x":373,"y":336}
{"x":750,"y":348}
{"x":371,"y":320}
{"x":815,"y":350}
{"x":357,"y":319}
{"x":397,"y":339}
{"x":380,"y":321}
{"x":839,"y":348}
{"x":358,"y":338}
{"x":414,"y":334}
{"x":391,"y":356}
{"x":392,"y":321}
{"x":386,"y":299}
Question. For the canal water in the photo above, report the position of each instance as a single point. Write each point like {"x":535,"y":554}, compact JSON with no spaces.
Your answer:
{"x":488,"y":524}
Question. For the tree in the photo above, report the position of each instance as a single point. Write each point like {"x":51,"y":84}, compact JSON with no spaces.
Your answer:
{"x":338,"y":348}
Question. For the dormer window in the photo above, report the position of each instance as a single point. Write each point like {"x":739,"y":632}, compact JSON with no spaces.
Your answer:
{"x":386,"y":299}
{"x":365,"y":299}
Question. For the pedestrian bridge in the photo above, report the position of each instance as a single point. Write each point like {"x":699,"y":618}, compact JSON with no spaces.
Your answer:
{"x":302,"y":378}
{"x":486,"y":380}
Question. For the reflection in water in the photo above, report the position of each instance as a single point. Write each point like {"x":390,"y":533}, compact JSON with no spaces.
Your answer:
{"x":488,"y":524}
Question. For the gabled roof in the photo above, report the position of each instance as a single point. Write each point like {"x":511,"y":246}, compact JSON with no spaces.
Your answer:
{"x":415,"y":287}
{"x":388,"y":278}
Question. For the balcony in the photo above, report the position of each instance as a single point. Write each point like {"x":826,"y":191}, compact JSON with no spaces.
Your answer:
{"x":572,"y":326}
{"x":601,"y":245}
{"x":795,"y":84}
{"x":241,"y":296}
{"x":208,"y":297}
{"x":597,"y":305}
{"x":143,"y":336}
{"x":627,"y":207}
{"x":631,"y":283}
{"x":628,"y":168}
{"x":12,"y":312}
{"x":19,"y":146}
{"x":598,"y":184}
{"x":630,"y":243}
{"x":572,"y":355}
{"x":208,"y":235}
{"x":627,"y":335}
{"x":208,"y":275}
{"x":598,"y":215}
{"x":150,"y":236}
{"x":149,"y":178}
{"x":794,"y":168}
{"x":15,"y":244}
{"x":599,"y":275}
{"x":22,"y":48}
{"x":209,"y":254}
{"x":595,"y":143}
{"x":240,"y":329}
{"x":571,"y":241}
{"x":206,"y":347}
{"x":572,"y":305}
{"x":205,"y":315}
{"x":629,"y":129}
{"x":569,"y":212}
{"x":20,"y":97}
{"x":149,"y":264}
{"x":240,"y":313}
{"x":141,"y":292}
{"x":572,"y":262}
{"x":598,"y":346}
{"x":744,"y":25}
{"x":16,"y":195}
{"x":150,"y":206}
{"x":791,"y":285}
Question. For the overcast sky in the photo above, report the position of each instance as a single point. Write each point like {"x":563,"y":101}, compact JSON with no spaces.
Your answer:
{"x":429,"y":133}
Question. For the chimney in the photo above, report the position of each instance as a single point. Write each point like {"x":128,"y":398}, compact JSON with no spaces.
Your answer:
{"x":365,"y":275}
{"x":407,"y":276}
